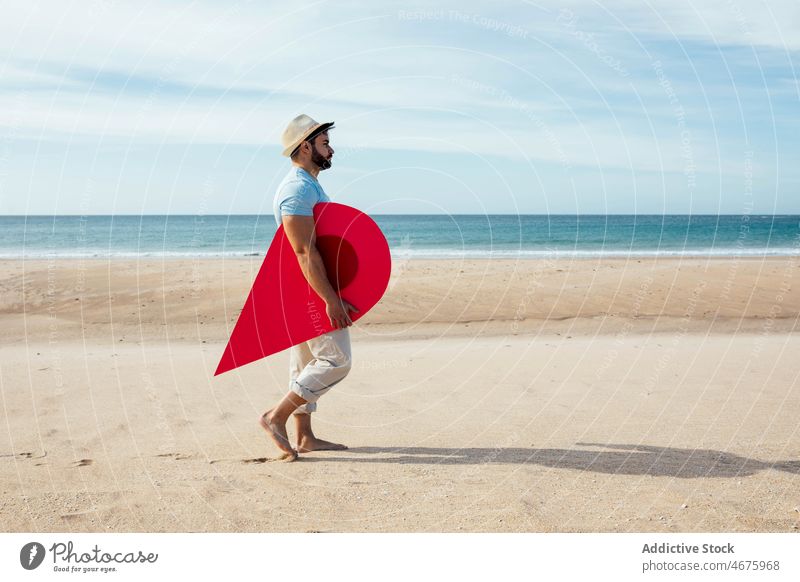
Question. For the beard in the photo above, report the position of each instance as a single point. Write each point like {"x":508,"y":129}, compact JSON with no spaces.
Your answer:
{"x":318,"y":159}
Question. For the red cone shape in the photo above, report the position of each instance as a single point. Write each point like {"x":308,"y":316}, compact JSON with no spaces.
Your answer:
{"x":283,"y":310}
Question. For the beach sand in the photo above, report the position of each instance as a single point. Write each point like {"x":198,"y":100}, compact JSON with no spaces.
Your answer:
{"x":568,"y":395}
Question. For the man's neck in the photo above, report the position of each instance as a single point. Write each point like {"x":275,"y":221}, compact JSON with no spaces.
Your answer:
{"x":311,"y":168}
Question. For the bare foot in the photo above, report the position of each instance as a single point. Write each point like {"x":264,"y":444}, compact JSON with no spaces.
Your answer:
{"x":277,"y":433}
{"x":310,"y":444}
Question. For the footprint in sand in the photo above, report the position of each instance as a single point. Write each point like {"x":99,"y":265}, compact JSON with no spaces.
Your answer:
{"x":258,"y":460}
{"x":175,"y":456}
{"x":25,"y":455}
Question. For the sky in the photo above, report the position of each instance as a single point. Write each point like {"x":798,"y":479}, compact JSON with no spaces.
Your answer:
{"x":623,"y":107}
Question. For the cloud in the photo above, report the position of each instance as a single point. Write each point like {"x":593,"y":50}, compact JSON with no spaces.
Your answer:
{"x":452,"y":80}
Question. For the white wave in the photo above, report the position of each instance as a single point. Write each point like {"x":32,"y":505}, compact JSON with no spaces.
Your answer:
{"x":416,"y":253}
{"x":597,"y":253}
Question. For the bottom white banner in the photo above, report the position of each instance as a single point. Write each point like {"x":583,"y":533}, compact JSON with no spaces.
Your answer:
{"x":32,"y":556}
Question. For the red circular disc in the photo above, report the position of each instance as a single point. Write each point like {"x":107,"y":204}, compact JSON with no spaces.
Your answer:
{"x":283,"y":310}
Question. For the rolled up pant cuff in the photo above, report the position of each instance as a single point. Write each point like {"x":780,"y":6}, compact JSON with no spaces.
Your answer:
{"x":306,"y":408}
{"x":304,"y":392}
{"x":307,"y":395}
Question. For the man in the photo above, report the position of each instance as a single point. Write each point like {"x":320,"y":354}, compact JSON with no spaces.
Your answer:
{"x":320,"y":363}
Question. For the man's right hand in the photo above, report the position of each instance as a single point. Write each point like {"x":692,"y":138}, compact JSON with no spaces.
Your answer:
{"x":338,"y":313}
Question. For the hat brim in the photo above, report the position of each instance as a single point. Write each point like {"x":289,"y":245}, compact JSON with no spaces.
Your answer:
{"x":314,"y":131}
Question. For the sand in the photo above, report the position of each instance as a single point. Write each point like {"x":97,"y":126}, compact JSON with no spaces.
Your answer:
{"x":568,"y":395}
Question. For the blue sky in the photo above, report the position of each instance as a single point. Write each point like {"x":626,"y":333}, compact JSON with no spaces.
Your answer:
{"x":470,"y":107}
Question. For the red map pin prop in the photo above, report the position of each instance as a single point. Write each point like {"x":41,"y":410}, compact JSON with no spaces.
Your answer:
{"x":283,"y":310}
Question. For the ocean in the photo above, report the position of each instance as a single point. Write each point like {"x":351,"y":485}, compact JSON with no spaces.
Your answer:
{"x":411,"y":236}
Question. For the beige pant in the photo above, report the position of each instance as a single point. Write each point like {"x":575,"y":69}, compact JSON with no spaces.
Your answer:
{"x":317,"y":365}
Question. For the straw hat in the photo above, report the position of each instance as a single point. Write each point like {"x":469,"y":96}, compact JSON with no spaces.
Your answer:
{"x":300,"y":129}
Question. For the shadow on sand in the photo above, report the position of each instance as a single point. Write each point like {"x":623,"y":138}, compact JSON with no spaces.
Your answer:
{"x":599,"y":458}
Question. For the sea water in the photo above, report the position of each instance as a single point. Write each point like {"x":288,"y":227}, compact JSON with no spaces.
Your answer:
{"x":411,"y":236}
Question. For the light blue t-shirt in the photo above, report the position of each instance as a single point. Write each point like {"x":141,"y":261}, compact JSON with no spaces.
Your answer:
{"x":297,"y":194}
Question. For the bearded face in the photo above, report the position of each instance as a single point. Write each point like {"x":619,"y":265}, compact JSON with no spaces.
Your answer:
{"x":321,"y":151}
{"x":319,"y":159}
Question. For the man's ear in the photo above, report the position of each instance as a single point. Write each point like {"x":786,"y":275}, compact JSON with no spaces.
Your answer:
{"x":299,"y":149}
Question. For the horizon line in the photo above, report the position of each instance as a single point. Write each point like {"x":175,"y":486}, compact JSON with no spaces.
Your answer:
{"x":406,"y":214}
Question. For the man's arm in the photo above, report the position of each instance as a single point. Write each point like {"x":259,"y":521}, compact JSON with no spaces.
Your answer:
{"x":300,"y":232}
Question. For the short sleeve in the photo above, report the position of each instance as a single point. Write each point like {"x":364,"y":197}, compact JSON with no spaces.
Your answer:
{"x":298,"y":199}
